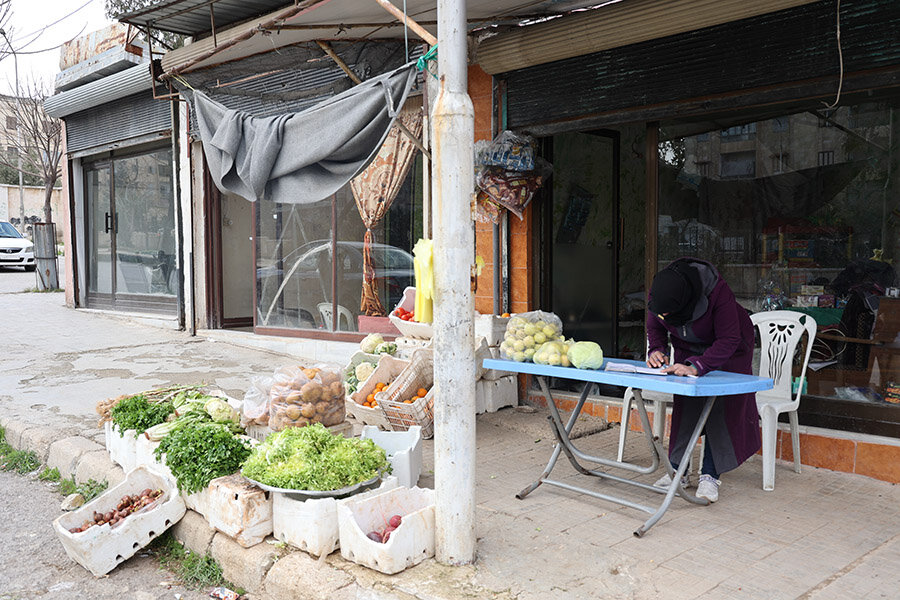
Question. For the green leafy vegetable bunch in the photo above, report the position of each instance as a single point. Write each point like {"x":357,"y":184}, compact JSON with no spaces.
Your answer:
{"x":199,"y":452}
{"x":136,"y":412}
{"x":312,"y":458}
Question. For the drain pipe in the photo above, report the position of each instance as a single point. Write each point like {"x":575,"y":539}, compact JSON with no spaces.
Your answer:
{"x":454,"y":242}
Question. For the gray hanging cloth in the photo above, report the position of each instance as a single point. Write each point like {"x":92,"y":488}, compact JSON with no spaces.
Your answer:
{"x":302,"y":157}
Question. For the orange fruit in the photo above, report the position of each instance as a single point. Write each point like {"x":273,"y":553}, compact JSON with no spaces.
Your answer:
{"x":421,"y":392}
{"x":505,"y":315}
{"x":370,"y":397}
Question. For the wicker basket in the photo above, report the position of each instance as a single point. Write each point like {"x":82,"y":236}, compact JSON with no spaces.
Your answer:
{"x":387,"y":371}
{"x":402,"y":416}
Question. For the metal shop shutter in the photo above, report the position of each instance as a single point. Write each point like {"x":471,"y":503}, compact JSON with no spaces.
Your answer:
{"x":792,"y":45}
{"x":130,"y":118}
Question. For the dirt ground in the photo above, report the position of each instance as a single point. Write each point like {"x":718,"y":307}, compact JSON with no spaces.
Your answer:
{"x":35,"y":565}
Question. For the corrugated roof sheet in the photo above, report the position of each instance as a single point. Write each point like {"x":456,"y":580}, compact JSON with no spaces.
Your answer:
{"x":192,"y":17}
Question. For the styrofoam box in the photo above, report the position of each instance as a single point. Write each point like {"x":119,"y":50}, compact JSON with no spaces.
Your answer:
{"x":490,"y":327}
{"x":410,"y":544}
{"x":406,"y":346}
{"x":145,"y":457}
{"x":312,"y":525}
{"x":122,"y":448}
{"x":492,"y":374}
{"x":100,"y":548}
{"x":239,"y":509}
{"x":411,"y":329}
{"x":491,"y":396}
{"x":403,"y":449}
{"x":482,"y":351}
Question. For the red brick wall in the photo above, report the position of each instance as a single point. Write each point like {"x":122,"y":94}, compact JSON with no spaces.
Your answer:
{"x":520,"y":259}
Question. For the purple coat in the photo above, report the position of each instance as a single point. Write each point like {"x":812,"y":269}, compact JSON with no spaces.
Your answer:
{"x":719,"y":337}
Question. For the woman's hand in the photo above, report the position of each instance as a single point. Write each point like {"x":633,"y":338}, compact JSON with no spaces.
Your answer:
{"x":657,"y":359}
{"x":681,"y":370}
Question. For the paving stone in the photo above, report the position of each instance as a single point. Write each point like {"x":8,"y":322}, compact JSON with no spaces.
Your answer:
{"x":95,"y":465}
{"x":65,"y":454}
{"x":318,"y":581}
{"x":194,"y":532}
{"x":38,"y":440}
{"x":244,"y":567}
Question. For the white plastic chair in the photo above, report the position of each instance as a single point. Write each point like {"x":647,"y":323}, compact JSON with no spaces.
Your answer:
{"x":780,"y":332}
{"x":345,"y":317}
{"x":659,"y":412}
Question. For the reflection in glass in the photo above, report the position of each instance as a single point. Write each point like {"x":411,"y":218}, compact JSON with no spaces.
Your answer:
{"x":145,"y":225}
{"x":799,"y":204}
{"x":298,"y":278}
{"x":99,"y":236}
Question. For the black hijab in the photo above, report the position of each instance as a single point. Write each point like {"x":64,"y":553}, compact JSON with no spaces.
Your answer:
{"x":676,"y":291}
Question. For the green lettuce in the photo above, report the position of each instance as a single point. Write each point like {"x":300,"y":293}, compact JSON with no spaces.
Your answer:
{"x":312,"y":458}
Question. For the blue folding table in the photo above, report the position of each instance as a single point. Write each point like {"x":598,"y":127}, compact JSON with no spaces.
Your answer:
{"x":710,"y":386}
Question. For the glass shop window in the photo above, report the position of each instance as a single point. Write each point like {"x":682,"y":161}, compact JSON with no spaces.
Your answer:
{"x":310,"y":259}
{"x":819,"y":234}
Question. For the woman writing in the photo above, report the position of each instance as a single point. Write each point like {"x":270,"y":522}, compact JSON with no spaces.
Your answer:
{"x":691,"y":306}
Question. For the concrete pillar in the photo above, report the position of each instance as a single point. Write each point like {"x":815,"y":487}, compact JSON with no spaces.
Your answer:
{"x":454,"y":242}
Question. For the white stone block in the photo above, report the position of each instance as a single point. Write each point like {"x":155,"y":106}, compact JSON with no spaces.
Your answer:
{"x":239,"y":509}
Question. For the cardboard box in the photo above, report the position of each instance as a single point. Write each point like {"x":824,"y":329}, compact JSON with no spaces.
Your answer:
{"x":826,"y":300}
{"x":806,"y":301}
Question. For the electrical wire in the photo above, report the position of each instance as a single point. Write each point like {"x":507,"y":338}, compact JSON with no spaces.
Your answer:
{"x":49,"y":25}
{"x":840,"y":60}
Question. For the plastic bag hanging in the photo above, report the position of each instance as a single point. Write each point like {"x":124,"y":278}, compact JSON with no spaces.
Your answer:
{"x":423,"y":264}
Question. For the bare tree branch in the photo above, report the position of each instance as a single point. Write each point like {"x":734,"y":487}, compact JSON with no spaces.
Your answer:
{"x":39,"y":138}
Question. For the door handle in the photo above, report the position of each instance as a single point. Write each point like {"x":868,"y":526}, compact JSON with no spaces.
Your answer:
{"x":107,"y":222}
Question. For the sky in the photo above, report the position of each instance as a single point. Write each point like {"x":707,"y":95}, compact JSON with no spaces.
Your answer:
{"x":76,"y":17}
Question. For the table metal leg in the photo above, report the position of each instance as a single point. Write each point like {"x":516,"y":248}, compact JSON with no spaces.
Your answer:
{"x":682,"y":467}
{"x":568,"y":428}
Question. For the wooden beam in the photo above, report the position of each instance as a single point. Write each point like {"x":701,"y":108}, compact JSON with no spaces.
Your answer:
{"x":327,"y":49}
{"x":415,"y":27}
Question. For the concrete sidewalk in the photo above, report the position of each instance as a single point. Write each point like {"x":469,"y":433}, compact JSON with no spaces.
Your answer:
{"x":819,"y":535}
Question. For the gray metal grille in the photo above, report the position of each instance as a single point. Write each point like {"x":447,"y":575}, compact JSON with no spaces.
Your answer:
{"x":127,"y":118}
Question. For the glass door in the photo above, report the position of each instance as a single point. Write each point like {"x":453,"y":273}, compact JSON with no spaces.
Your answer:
{"x":99,"y":236}
{"x":581,"y":236}
{"x":131,"y":234}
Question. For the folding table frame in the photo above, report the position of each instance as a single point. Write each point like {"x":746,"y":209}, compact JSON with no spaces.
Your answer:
{"x":710,"y":386}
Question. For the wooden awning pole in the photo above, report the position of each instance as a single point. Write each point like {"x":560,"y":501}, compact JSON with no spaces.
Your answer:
{"x":327,"y":49}
{"x":415,"y":27}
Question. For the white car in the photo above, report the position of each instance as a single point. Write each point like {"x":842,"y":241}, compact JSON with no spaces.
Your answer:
{"x":15,"y":250}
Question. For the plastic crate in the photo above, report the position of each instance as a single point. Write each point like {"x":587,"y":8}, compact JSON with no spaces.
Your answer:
{"x":100,"y":548}
{"x":400,"y":415}
{"x":411,"y":329}
{"x":410,"y":544}
{"x":388,"y":369}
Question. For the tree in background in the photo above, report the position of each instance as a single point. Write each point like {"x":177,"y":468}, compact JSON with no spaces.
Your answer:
{"x":114,"y":8}
{"x":38,"y":141}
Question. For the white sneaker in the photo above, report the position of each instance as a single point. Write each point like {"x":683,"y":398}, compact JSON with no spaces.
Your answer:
{"x":666,"y":480}
{"x":708,"y":488}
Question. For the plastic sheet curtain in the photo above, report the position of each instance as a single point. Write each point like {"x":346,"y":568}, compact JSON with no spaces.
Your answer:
{"x":375,"y":189}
